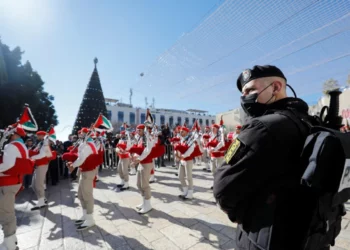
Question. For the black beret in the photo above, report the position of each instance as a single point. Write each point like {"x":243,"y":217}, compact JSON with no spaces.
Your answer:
{"x":258,"y":72}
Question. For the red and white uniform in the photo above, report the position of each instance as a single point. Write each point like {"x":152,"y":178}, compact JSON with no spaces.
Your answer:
{"x":43,"y":155}
{"x":185,"y":150}
{"x":216,"y":147}
{"x":15,"y":163}
{"x":124,"y":146}
{"x":87,"y":156}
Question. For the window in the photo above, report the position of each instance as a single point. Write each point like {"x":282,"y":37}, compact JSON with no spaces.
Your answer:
{"x":207,"y":122}
{"x":171,"y":121}
{"x":109,"y":115}
{"x":179,"y":120}
{"x":201,"y":121}
{"x":154,"y":119}
{"x":162,"y":119}
{"x":120,"y":116}
{"x":193,"y":120}
{"x":132,"y":118}
{"x":143,"y":117}
{"x":212,"y":122}
{"x":187,"y":121}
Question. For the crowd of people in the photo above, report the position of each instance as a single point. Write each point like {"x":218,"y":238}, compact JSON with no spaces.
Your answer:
{"x":256,"y":172}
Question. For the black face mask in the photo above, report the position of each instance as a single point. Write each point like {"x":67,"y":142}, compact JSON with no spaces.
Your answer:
{"x":252,"y":107}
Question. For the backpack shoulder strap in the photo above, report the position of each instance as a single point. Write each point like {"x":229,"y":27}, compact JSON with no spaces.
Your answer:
{"x":315,"y":141}
{"x":300,"y":120}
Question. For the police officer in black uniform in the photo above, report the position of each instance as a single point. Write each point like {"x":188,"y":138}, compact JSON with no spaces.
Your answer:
{"x":258,"y":185}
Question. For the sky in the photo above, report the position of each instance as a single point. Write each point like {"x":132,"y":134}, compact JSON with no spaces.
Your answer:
{"x":190,"y":51}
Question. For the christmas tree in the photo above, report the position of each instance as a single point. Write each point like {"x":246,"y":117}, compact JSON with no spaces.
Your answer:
{"x":93,"y":103}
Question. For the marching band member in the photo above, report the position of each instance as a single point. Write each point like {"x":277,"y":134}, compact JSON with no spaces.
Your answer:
{"x":144,"y":149}
{"x":154,"y":136}
{"x":15,"y":163}
{"x":206,"y":156}
{"x":183,"y":153}
{"x":122,"y":149}
{"x":230,"y":139}
{"x":199,"y":148}
{"x":158,"y":150}
{"x":87,"y":161}
{"x":238,"y":131}
{"x":100,"y":149}
{"x":134,"y":140}
{"x":76,"y":173}
{"x":216,"y":147}
{"x":152,"y":179}
{"x":174,"y":141}
{"x":41,"y":155}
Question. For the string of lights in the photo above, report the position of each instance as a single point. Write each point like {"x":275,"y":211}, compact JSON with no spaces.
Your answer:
{"x":302,"y":37}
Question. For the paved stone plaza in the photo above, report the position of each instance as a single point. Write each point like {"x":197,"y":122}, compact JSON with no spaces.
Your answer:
{"x":172,"y":224}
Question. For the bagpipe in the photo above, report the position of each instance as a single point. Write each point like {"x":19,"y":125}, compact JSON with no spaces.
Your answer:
{"x":192,"y":138}
{"x":151,"y":135}
{"x":45,"y":142}
{"x":220,"y":136}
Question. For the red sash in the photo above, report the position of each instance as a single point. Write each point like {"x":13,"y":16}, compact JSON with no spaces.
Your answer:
{"x":158,"y":150}
{"x":196,"y":152}
{"x":213,"y":144}
{"x":182,"y":148}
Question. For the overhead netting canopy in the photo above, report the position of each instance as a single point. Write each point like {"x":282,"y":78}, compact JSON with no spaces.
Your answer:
{"x":308,"y":39}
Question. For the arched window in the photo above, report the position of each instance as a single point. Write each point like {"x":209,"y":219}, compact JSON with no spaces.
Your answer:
{"x":120,"y":116}
{"x":187,"y":121}
{"x":207,"y":122}
{"x":109,"y":115}
{"x":171,"y":121}
{"x":201,"y":121}
{"x":132,"y":118}
{"x":143,"y":117}
{"x":162,"y":119}
{"x":179,"y":120}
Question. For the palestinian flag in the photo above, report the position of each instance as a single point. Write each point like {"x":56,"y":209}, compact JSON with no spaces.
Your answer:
{"x":52,"y":134}
{"x":27,"y":120}
{"x":149,"y":119}
{"x":102,"y":123}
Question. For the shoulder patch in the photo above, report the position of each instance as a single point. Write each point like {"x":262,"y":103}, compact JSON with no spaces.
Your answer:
{"x":232,"y":150}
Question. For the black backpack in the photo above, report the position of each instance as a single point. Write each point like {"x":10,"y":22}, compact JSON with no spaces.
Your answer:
{"x":326,"y":176}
